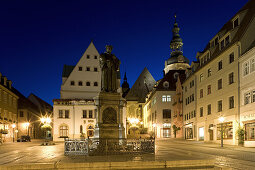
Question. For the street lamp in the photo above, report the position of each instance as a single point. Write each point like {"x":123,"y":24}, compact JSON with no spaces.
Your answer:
{"x":221,"y":119}
{"x":13,"y":126}
{"x":26,"y":125}
{"x":46,"y":124}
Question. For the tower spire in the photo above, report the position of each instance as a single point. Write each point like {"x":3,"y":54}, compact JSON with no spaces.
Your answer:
{"x":176,"y":42}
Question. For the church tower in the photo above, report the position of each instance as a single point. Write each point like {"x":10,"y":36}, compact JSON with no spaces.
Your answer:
{"x":125,"y":86}
{"x":176,"y":61}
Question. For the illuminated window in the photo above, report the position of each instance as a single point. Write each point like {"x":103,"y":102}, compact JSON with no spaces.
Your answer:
{"x":164,"y":98}
{"x":168,"y":98}
{"x":250,"y":131}
{"x":227,"y":131}
{"x":63,"y":131}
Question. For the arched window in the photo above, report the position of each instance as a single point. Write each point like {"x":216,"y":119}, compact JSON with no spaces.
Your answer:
{"x":80,"y":83}
{"x":87,"y":83}
{"x":63,"y":131}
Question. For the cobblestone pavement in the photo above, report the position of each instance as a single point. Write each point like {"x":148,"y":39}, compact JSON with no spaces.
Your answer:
{"x":166,"y":150}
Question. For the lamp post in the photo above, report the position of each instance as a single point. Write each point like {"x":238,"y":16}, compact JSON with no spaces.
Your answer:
{"x":27,"y":124}
{"x":13,"y":126}
{"x":45,"y":121}
{"x":221,"y":119}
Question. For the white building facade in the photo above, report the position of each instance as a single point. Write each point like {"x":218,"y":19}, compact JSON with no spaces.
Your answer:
{"x":74,"y":114}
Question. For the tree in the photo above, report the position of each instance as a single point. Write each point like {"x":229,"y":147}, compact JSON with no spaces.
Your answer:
{"x":175,"y":129}
{"x":240,"y":134}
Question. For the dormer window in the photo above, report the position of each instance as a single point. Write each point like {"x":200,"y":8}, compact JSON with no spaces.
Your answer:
{"x":88,"y":68}
{"x":222,"y":44}
{"x":216,"y":41}
{"x":80,"y":69}
{"x":80,"y":83}
{"x":236,"y":22}
{"x":72,"y":83}
{"x":227,"y":40}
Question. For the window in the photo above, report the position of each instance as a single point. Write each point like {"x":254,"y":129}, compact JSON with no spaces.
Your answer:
{"x":87,"y":83}
{"x":95,"y":57}
{"x":222,"y":44}
{"x":84,"y":114}
{"x":201,"y":77}
{"x":253,"y":96}
{"x":231,"y":78}
{"x":95,"y":84}
{"x":88,"y":68}
{"x":194,"y":113}
{"x":227,"y":131}
{"x":80,"y":69}
{"x":209,"y":110}
{"x":95,"y":69}
{"x":81,"y":129}
{"x":201,"y":93}
{"x":231,"y":102}
{"x":168,"y":98}
{"x":209,"y":72}
{"x":209,"y":90}
{"x":63,"y":131}
{"x":247,"y":98}
{"x":216,"y":41}
{"x":250,"y":131}
{"x":220,"y":106}
{"x":72,"y":83}
{"x":231,"y":58}
{"x":80,"y":83}
{"x":185,"y":88}
{"x":235,"y":23}
{"x":164,"y":98}
{"x":219,"y":84}
{"x":201,"y":112}
{"x":88,"y":56}
{"x":226,"y":40}
{"x":66,"y":113}
{"x":60,"y":114}
{"x":246,"y":68}
{"x":21,"y":114}
{"x":90,"y":114}
{"x":166,"y":114}
{"x":252,"y":65}
{"x":220,"y":65}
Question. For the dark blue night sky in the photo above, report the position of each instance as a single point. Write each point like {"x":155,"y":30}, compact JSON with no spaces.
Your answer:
{"x":38,"y":37}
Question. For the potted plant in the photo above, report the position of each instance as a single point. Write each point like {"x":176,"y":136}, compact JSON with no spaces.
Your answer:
{"x":240,"y":135}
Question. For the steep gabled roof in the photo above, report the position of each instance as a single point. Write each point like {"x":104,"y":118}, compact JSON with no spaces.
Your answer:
{"x":142,"y":86}
{"x":171,"y":79}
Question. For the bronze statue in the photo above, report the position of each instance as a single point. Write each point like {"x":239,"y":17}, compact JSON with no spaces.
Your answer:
{"x":110,"y":66}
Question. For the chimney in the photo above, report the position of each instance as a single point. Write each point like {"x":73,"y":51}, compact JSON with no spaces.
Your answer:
{"x":10,"y":84}
{"x":5,"y":81}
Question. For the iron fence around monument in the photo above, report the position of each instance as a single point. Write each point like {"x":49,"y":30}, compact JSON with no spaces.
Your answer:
{"x":95,"y":146}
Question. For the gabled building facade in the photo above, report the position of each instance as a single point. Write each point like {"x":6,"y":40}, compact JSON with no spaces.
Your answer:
{"x":74,"y":113}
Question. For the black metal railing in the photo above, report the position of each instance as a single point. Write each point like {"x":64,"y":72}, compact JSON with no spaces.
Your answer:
{"x":95,"y":146}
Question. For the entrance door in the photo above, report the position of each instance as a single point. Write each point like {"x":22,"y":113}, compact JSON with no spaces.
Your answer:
{"x":211,"y":134}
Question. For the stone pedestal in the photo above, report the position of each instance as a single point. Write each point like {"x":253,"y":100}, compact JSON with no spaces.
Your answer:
{"x":110,"y":116}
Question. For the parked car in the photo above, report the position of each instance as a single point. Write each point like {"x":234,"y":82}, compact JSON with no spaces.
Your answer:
{"x":24,"y":139}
